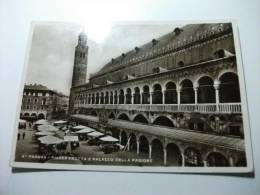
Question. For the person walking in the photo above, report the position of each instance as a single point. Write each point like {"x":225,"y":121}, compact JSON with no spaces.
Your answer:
{"x":23,"y":135}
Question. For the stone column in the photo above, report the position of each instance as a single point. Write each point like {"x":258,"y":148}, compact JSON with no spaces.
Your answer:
{"x":117,"y":98}
{"x":150,"y":151}
{"x":178,"y":96}
{"x":120,"y":138}
{"x":182,"y":159}
{"x":164,"y":156}
{"x":137,"y":146}
{"x":231,"y":162}
{"x":163,"y":96}
{"x":216,"y":86}
{"x":151,"y":97}
{"x":205,"y":163}
{"x":196,"y":94}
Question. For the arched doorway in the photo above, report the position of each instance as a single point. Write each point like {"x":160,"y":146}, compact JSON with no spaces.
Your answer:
{"x":128,"y":96}
{"x":170,"y":93}
{"x":187,"y":92}
{"x":115,"y":97}
{"x":216,"y":159}
{"x":93,"y":99}
{"x":192,"y":157}
{"x":132,"y":142}
{"x":34,"y":115}
{"x":123,"y":116}
{"x":107,"y":98}
{"x":102,"y":98}
{"x":41,"y":116}
{"x":157,"y":94}
{"x":173,"y":155}
{"x":97,"y":98}
{"x":163,"y":121}
{"x":115,"y":133}
{"x":140,"y":119}
{"x":146,"y":95}
{"x":206,"y":91}
{"x":121,"y":97}
{"x":143,"y":145}
{"x":229,"y":88}
{"x":123,"y":138}
{"x":157,"y":152}
{"x":111,"y":98}
{"x":241,"y":162}
{"x":137,"y":96}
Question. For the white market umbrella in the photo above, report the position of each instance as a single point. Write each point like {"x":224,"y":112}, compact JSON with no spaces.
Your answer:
{"x":86,"y":130}
{"x":41,"y":122}
{"x":42,"y":133}
{"x":108,"y":139}
{"x":79,"y":127}
{"x":59,"y":122}
{"x":95,"y":134}
{"x":50,"y":140}
{"x":21,"y":121}
{"x":47,"y":128}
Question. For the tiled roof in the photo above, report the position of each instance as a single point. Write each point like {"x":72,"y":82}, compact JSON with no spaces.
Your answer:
{"x":178,"y":36}
{"x":36,"y":87}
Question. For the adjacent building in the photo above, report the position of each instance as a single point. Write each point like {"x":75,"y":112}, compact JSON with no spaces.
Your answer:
{"x":39,"y":102}
{"x":175,"y":99}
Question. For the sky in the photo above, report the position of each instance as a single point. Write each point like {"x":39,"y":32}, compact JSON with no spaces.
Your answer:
{"x":53,"y":45}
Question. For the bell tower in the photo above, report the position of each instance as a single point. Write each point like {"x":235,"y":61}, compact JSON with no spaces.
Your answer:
{"x":79,"y":69}
{"x":80,"y":61}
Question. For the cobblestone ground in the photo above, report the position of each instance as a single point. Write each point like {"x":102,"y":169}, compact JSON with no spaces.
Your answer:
{"x":86,"y":153}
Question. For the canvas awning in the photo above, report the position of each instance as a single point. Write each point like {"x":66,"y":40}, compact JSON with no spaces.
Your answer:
{"x":108,"y":139}
{"x":71,"y":138}
{"x":41,"y":122}
{"x":79,"y":127}
{"x":59,"y":122}
{"x":49,"y":139}
{"x":47,"y":128}
{"x":95,"y":134}
{"x":21,"y":121}
{"x":41,"y":133}
{"x":85,"y":130}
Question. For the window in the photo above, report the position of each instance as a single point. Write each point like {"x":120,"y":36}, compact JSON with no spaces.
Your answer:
{"x":35,"y":100}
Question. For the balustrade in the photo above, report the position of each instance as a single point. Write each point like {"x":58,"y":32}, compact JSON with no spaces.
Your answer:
{"x":202,"y":108}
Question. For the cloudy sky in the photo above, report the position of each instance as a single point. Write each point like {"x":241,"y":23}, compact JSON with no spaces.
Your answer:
{"x":53,"y":46}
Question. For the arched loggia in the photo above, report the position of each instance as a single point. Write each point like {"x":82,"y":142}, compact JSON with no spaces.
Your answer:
{"x":157,"y":152}
{"x":121,"y":97}
{"x":170,"y":93}
{"x":173,"y":155}
{"x":187,"y":92}
{"x":140,"y":119}
{"x":137,"y":96}
{"x":163,"y":121}
{"x":128,"y":96}
{"x":157,"y":94}
{"x":146,"y":95}
{"x":123,"y":116}
{"x":216,"y":159}
{"x":192,"y":157}
{"x":229,"y":88}
{"x":206,"y":91}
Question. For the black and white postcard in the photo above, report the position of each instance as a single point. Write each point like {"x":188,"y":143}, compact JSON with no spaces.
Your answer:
{"x":139,"y":96}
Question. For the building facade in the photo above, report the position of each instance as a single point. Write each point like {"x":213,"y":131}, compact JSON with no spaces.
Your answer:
{"x":39,"y":102}
{"x":175,"y":99}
